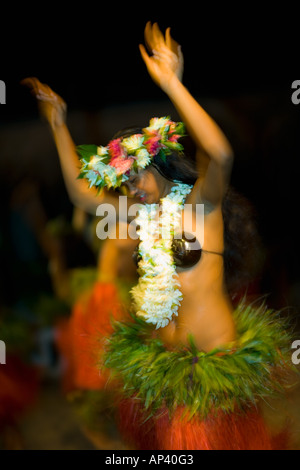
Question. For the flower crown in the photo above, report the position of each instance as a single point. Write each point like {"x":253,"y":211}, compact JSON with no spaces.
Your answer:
{"x":112,"y":165}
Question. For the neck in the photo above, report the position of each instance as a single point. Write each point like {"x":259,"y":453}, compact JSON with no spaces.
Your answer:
{"x":167,"y":188}
{"x":164,"y":184}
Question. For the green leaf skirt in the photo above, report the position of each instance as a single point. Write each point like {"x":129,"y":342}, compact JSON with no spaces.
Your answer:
{"x":226,"y":378}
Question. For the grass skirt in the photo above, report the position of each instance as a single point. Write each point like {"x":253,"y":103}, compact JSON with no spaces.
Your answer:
{"x":187,"y":399}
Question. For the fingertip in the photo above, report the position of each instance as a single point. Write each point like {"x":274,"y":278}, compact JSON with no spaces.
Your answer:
{"x":156,"y":27}
{"x":148,"y":30}
{"x":168,"y":35}
{"x":143,"y":51}
{"x":25,"y":81}
{"x":30,"y":83}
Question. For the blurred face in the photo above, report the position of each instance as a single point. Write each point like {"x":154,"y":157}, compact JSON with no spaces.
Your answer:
{"x":148,"y":185}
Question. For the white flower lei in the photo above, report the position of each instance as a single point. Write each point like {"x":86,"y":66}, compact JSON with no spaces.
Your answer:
{"x":157,"y":295}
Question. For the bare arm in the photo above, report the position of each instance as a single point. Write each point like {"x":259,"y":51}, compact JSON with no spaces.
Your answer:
{"x":209,"y":137}
{"x":166,"y":68}
{"x":79,"y":192}
{"x":115,"y":257}
{"x":53,"y":108}
{"x":108,"y":261}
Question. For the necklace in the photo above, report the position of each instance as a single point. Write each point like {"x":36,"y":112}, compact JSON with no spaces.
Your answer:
{"x":157,"y":296}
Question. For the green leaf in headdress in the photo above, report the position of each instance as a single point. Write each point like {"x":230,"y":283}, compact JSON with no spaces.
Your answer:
{"x":162,"y":155}
{"x":173,"y":145}
{"x":180,"y":129}
{"x":86,"y":151}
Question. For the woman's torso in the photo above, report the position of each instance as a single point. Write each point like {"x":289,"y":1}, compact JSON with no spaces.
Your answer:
{"x":205,"y":311}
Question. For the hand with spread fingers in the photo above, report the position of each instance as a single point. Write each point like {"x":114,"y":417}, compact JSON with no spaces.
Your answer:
{"x":166,"y":62}
{"x":51,"y":106}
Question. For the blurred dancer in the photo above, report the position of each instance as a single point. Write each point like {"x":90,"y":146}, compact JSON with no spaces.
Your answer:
{"x":105,"y":294}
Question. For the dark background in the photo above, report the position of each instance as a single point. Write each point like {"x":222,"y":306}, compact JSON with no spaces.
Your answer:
{"x":90,"y":55}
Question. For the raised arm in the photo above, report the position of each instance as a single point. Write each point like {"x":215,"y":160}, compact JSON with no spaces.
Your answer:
{"x":53,"y":108}
{"x":165,"y":66}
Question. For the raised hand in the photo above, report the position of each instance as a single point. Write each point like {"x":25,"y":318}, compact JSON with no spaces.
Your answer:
{"x":166,"y":61}
{"x":51,"y":106}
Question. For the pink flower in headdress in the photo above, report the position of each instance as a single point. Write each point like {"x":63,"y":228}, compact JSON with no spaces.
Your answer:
{"x":174,"y":137}
{"x":116,"y":149}
{"x":153,"y":145}
{"x":121,"y":164}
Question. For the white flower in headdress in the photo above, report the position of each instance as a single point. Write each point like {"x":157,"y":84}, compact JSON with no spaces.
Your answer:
{"x":94,"y":161}
{"x":133,"y":143}
{"x":158,"y":123}
{"x":102,"y":151}
{"x":143,"y":158}
{"x":99,"y":171}
{"x":110,"y":176}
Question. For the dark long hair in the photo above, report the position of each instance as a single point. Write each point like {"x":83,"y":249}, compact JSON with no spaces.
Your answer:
{"x":242,"y":243}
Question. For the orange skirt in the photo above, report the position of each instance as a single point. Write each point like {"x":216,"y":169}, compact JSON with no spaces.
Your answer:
{"x":80,"y":338}
{"x":223,"y":431}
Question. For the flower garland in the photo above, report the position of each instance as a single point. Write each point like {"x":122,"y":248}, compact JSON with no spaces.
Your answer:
{"x":157,"y":295}
{"x":112,"y":165}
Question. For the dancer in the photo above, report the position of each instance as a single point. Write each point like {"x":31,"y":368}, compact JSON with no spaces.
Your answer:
{"x":192,"y":366}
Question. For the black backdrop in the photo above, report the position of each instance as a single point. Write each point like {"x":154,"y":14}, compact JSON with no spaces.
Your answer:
{"x":89,"y":54}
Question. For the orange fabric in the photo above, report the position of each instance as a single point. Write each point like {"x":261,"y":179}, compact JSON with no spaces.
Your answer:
{"x":80,"y":340}
{"x":225,"y":431}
